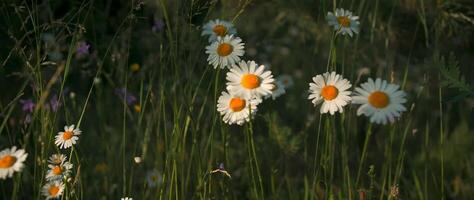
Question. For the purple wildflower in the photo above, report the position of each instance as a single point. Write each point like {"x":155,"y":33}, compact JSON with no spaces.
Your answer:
{"x":27,"y":105}
{"x":54,"y":103}
{"x":82,"y":48}
{"x":126,"y":96}
{"x":158,"y":25}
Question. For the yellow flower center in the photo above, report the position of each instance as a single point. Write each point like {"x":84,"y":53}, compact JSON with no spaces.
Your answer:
{"x":224,"y":49}
{"x":329,"y":92}
{"x":67,"y":135}
{"x":237,"y":104}
{"x":250,"y":81}
{"x":379,"y":99}
{"x":220,"y":30}
{"x":57,"y":170}
{"x":53,"y":190}
{"x":344,"y":21}
{"x":7,"y":161}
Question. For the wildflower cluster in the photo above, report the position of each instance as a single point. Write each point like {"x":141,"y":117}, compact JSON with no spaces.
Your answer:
{"x":247,"y":82}
{"x":382,"y":102}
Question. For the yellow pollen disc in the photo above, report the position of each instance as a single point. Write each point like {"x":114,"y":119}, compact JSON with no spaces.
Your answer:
{"x":57,"y":170}
{"x":344,"y":21}
{"x":67,"y":135}
{"x":224,"y":49}
{"x":53,"y":190}
{"x":250,"y":81}
{"x":379,"y":99}
{"x":7,"y":161}
{"x":220,"y":30}
{"x":329,"y":92}
{"x":237,"y":104}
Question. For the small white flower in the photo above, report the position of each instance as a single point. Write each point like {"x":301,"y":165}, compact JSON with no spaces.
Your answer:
{"x":277,"y":91}
{"x":153,"y":178}
{"x":67,"y":138}
{"x":57,"y":159}
{"x":286,"y":80}
{"x":330,"y":89}
{"x":218,"y":28}
{"x":343,"y":21}
{"x":53,"y":189}
{"x":225,"y":51}
{"x":137,"y":159}
{"x":58,"y":171}
{"x":235,"y":109}
{"x":11,"y":161}
{"x":126,"y":198}
{"x":381,"y":101}
{"x":249,"y":80}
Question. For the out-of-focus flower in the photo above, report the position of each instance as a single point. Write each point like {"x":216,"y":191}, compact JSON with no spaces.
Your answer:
{"x":11,"y":161}
{"x":27,"y":105}
{"x":135,"y":67}
{"x":82,"y":49}
{"x":126,"y":198}
{"x":286,"y":80}
{"x":394,"y":191}
{"x":54,"y":103}
{"x":153,"y":178}
{"x":137,"y":108}
{"x":158,"y":25}
{"x":53,"y":189}
{"x":218,"y":28}
{"x":137,"y":159}
{"x":126,"y":96}
{"x":277,"y":91}
{"x":343,"y":21}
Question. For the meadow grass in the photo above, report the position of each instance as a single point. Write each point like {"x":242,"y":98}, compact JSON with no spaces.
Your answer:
{"x":146,"y":99}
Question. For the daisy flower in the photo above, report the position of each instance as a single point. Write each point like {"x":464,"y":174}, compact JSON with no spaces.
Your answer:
{"x":57,"y":159}
{"x":286,"y":80}
{"x":225,"y":51}
{"x":67,"y":138}
{"x":343,"y":21}
{"x":218,"y":28}
{"x":381,"y":101}
{"x":330,"y":89}
{"x":126,"y":198}
{"x":153,"y":178}
{"x":250,"y":80}
{"x":58,"y":171}
{"x":235,"y":108}
{"x":53,"y":189}
{"x":277,"y":91}
{"x":11,"y":161}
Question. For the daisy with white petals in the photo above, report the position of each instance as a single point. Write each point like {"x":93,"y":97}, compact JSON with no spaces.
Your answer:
{"x":11,"y":161}
{"x":57,"y":159}
{"x":68,"y":137}
{"x":218,"y":28}
{"x":343,"y":21}
{"x":330,"y":89}
{"x":53,"y":189}
{"x":58,"y":171}
{"x":236,"y":109}
{"x":250,"y":80}
{"x":381,"y":101}
{"x":277,"y":91}
{"x":225,"y":51}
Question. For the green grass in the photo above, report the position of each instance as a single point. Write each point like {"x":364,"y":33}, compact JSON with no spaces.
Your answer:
{"x":288,"y":150}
